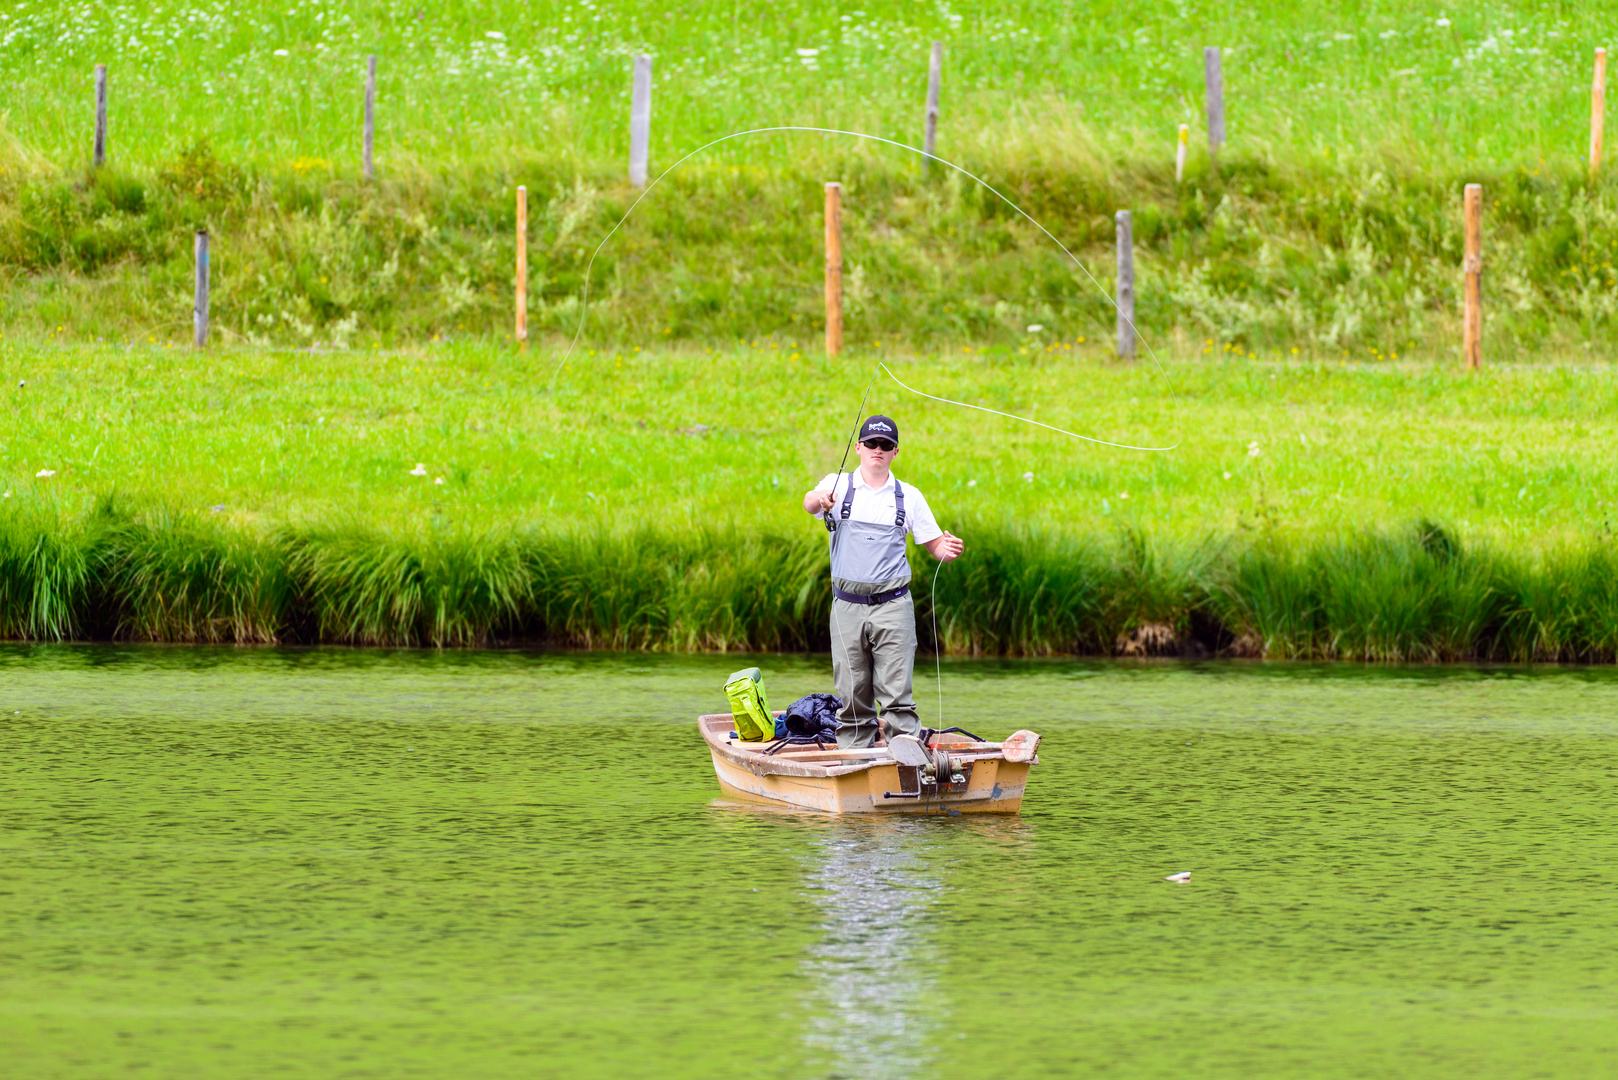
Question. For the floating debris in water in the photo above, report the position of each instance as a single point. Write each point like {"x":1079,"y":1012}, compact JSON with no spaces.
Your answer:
{"x":1179,"y":879}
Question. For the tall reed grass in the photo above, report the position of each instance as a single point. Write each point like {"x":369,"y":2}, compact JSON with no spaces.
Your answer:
{"x":1413,"y":595}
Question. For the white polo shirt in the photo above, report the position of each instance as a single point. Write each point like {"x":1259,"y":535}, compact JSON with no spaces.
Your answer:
{"x":876,"y":505}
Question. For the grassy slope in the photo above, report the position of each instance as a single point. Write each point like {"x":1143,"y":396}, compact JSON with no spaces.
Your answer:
{"x":462,"y":81}
{"x":1333,"y":227}
{"x":1513,"y":454}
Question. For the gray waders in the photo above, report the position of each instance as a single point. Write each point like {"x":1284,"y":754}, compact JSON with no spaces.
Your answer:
{"x":873,"y":625}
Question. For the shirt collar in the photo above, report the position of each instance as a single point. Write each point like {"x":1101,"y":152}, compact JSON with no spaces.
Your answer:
{"x":861,"y":478}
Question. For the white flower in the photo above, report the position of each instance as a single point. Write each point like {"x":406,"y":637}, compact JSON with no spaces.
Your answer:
{"x":1034,"y":328}
{"x":971,"y":483}
{"x":419,"y":470}
{"x":44,"y":472}
{"x":1123,"y":494}
{"x":280,"y":52}
{"x":1028,"y":476}
{"x":7,"y":495}
{"x":1252,"y":449}
{"x":1227,"y":475}
{"x":1440,"y":22}
{"x":494,"y":35}
{"x":807,"y":53}
{"x":439,"y":480}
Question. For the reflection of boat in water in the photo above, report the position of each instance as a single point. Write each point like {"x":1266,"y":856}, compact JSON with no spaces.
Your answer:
{"x":950,"y":774}
{"x":874,"y":1008}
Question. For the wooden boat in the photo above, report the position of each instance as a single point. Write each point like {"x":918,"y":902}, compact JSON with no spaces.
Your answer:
{"x":951,"y":774}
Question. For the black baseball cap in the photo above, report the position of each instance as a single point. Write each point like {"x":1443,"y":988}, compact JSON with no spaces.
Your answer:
{"x":880,"y":427}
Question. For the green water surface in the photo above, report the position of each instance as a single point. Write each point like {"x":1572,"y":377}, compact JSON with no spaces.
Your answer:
{"x":219,"y":863}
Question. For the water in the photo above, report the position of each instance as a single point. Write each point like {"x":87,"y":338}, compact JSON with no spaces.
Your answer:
{"x":358,"y":864}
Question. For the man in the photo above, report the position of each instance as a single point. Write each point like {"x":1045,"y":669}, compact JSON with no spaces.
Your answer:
{"x":873,"y":617}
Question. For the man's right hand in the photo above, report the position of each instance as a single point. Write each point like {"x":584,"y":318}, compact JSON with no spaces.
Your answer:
{"x":818,"y":502}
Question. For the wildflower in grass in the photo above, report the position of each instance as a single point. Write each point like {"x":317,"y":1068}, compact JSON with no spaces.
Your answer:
{"x":281,"y":52}
{"x":1227,"y":474}
{"x":1253,"y":450}
{"x":1028,"y":476}
{"x":969,"y":483}
{"x":1441,"y":22}
{"x":44,"y":474}
{"x":1034,"y":328}
{"x":439,"y":481}
{"x":1123,"y":494}
{"x":419,"y":470}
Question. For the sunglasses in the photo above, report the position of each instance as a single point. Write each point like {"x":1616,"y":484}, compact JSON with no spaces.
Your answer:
{"x":877,"y":444}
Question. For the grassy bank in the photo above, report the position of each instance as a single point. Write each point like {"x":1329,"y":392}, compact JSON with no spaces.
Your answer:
{"x":1415,"y":595}
{"x":1332,"y":226}
{"x":677,"y":438}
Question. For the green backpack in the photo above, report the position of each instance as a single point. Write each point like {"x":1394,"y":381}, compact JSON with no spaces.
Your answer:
{"x":745,"y":689}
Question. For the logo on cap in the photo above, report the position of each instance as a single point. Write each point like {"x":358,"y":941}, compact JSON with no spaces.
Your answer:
{"x":877,"y":425}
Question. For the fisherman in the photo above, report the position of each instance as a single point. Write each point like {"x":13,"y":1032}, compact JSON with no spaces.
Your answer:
{"x":873,"y":617}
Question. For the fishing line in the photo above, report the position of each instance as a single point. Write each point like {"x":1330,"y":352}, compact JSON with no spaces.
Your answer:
{"x":584,"y":311}
{"x":584,"y":304}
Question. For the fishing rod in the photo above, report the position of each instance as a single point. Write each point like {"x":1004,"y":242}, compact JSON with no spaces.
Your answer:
{"x":859,"y":415}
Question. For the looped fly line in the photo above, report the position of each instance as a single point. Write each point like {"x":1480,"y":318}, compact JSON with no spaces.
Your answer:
{"x":585,"y":298}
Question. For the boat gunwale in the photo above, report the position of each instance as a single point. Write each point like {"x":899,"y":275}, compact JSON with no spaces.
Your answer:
{"x":760,"y":764}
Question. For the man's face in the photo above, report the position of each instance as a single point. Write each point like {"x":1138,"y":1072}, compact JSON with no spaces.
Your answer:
{"x":878,"y":453}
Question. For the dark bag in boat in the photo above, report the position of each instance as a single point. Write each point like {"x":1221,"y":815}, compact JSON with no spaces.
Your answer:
{"x":811,"y":716}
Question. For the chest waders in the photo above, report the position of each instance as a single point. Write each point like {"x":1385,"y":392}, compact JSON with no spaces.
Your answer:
{"x":874,"y":643}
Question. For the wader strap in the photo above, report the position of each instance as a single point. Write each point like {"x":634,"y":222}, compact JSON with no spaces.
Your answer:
{"x":898,"y":501}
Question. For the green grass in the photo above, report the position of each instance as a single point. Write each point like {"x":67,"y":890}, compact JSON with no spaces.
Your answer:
{"x":1332,"y":225}
{"x":651,"y":499}
{"x":678,"y":439}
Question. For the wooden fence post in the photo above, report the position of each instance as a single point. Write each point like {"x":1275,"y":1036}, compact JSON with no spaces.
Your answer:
{"x":1179,"y":152}
{"x":101,"y":116}
{"x":199,"y":311}
{"x":834,"y":268}
{"x":370,"y":115}
{"x":640,"y":120}
{"x":522,"y":268}
{"x":935,"y":73}
{"x":1214,"y":85}
{"x":1124,"y":292}
{"x":1598,"y":109}
{"x":1472,"y":314}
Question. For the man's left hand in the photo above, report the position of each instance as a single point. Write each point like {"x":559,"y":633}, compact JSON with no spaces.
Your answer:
{"x":947,"y":548}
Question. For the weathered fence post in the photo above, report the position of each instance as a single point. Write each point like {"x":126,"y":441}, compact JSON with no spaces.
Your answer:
{"x":1214,"y":83}
{"x":1179,"y":152}
{"x":834,"y":268}
{"x":1124,"y":292}
{"x":522,"y":267}
{"x":101,"y":116}
{"x":640,"y":120}
{"x":370,"y":115}
{"x":1472,"y":313}
{"x":1598,"y":109}
{"x":935,"y":73}
{"x":199,"y":311}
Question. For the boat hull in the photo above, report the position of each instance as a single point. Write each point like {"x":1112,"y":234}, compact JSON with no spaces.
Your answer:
{"x":995,"y":786}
